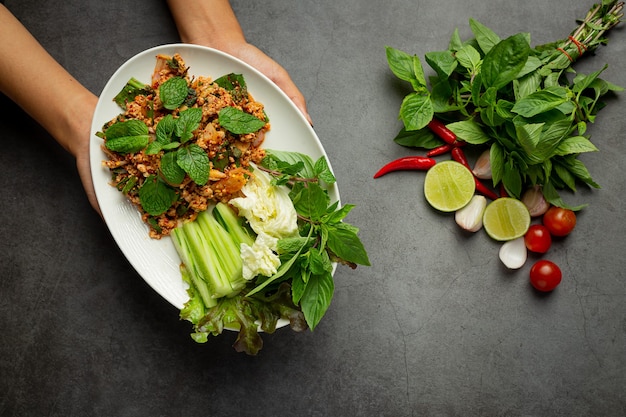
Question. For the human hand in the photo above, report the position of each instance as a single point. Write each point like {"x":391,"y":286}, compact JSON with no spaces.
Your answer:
{"x":270,"y":68}
{"x":76,"y":141}
{"x":215,"y":25}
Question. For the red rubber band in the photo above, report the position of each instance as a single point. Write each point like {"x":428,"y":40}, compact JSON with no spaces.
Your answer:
{"x":581,"y":47}
{"x":565,"y":53}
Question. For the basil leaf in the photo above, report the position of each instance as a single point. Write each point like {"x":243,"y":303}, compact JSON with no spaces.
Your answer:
{"x":127,"y":136}
{"x":155,"y":196}
{"x":231,"y":81}
{"x":504,"y":61}
{"x":310,"y":201}
{"x":485,"y":37}
{"x":540,"y":101}
{"x":239,"y":122}
{"x":316,"y":298}
{"x":443,"y":62}
{"x":195,"y":162}
{"x":575,"y":145}
{"x":416,"y":111}
{"x":132,"y":89}
{"x":406,"y":67}
{"x":344,"y":242}
{"x":323,"y":172}
{"x":469,"y":131}
{"x":469,"y":58}
{"x":173,"y":92}
{"x":423,"y":138}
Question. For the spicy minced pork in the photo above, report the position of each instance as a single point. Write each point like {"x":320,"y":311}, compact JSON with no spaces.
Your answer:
{"x":230,"y":155}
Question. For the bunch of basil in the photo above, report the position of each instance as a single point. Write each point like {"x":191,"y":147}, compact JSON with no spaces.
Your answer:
{"x":526,"y":105}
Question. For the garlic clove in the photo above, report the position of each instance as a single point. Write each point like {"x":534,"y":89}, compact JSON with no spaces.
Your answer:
{"x":513,"y":253}
{"x":535,"y":202}
{"x":470,"y":217}
{"x":482,"y":167}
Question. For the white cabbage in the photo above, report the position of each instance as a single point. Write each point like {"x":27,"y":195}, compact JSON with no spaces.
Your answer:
{"x":271,"y":214}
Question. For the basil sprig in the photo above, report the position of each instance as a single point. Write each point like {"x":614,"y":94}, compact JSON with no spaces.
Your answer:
{"x":526,"y":105}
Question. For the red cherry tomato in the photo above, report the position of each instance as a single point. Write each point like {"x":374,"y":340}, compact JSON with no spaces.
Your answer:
{"x":538,"y":239}
{"x":545,"y":275}
{"x":559,"y":221}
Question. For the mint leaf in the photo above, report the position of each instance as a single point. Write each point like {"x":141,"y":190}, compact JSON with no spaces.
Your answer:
{"x":173,"y":92}
{"x":171,"y":171}
{"x":187,"y":122}
{"x":239,"y":122}
{"x":155,"y":196}
{"x":195,"y":162}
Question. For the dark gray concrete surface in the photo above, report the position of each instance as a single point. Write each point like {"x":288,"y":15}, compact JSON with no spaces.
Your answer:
{"x":435,"y":327}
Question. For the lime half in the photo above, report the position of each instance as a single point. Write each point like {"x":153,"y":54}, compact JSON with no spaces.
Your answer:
{"x":449,"y":186}
{"x":506,"y":219}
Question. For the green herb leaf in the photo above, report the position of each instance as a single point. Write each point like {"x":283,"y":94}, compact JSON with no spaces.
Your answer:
{"x":187,"y":122}
{"x":239,"y":122}
{"x":504,"y":61}
{"x":316,"y":298}
{"x":443,"y":62}
{"x":422,"y":138}
{"x":127,"y":136}
{"x":575,"y":145}
{"x":469,"y":131}
{"x":344,"y":242}
{"x":310,"y":201}
{"x":323,"y":172}
{"x":156,"y":197}
{"x":171,"y":171}
{"x":406,"y":67}
{"x":540,"y":101}
{"x":132,"y":89}
{"x":416,"y":111}
{"x":173,"y":92}
{"x":485,"y":37}
{"x":195,"y":162}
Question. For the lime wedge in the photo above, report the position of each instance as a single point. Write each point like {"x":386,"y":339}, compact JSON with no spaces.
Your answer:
{"x":506,"y":219}
{"x":449,"y":186}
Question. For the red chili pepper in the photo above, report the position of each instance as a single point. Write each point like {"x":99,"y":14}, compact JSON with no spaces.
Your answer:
{"x":417,"y":163}
{"x":444,"y":133}
{"x":439,"y":150}
{"x":503,"y":192}
{"x":459,"y":156}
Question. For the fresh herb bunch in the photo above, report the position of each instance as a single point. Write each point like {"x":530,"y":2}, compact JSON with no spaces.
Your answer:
{"x":526,"y":105}
{"x":302,"y":288}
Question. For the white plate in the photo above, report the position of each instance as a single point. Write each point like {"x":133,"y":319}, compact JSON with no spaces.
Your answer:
{"x":156,"y":260}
